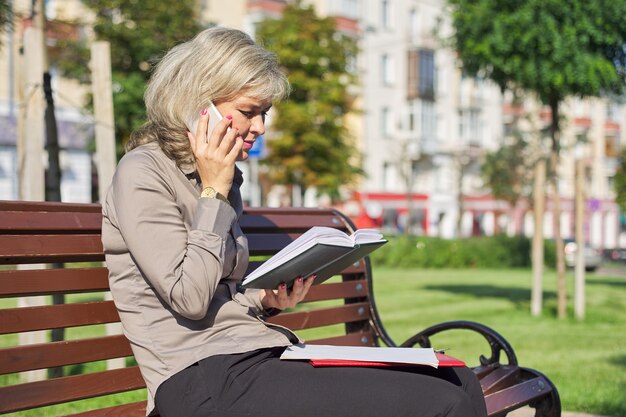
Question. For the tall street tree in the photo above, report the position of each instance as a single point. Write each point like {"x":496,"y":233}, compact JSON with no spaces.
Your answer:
{"x":6,"y":16}
{"x":312,"y":146}
{"x":505,"y":171}
{"x":139,"y":32}
{"x":551,"y":48}
{"x":619,"y":183}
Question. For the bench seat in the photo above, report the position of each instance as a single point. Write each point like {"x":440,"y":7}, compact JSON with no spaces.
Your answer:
{"x":54,"y":249}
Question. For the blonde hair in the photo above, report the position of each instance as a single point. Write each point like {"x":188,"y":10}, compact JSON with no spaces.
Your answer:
{"x":217,"y":65}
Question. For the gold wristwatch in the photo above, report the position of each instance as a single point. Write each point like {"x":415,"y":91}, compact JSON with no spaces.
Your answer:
{"x":209,"y":192}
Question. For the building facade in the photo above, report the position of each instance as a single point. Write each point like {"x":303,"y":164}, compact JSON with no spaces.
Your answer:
{"x":423,"y":127}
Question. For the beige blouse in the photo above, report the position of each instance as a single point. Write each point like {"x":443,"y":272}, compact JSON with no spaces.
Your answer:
{"x":174,"y":262}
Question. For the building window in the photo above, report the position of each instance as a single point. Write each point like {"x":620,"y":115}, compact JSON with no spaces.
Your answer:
{"x":427,"y":73}
{"x":421,"y":74}
{"x":612,"y":111}
{"x":345,"y":8}
{"x":386,"y":64}
{"x":385,"y":14}
{"x":386,"y":122}
{"x":469,"y":126}
{"x":428,"y":120}
{"x":413,"y":25}
{"x":390,"y":177}
{"x":611,"y":146}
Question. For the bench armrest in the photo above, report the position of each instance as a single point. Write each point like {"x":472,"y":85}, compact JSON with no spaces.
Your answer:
{"x":495,"y":340}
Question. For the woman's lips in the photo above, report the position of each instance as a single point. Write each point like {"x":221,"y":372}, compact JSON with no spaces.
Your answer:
{"x":248,"y":145}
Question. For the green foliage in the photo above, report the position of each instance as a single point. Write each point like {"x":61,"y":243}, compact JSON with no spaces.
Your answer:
{"x":506,"y":172}
{"x":553,"y":48}
{"x":312,"y":146}
{"x":498,"y":251}
{"x":140,"y":33}
{"x":619,"y":182}
{"x":6,"y":16}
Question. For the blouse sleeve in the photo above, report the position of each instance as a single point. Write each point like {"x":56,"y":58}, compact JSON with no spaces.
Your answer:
{"x":183,"y":267}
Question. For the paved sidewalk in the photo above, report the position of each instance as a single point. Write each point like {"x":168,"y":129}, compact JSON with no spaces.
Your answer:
{"x":530,"y":412}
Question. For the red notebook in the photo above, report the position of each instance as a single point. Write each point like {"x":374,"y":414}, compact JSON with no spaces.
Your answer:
{"x":444,"y":360}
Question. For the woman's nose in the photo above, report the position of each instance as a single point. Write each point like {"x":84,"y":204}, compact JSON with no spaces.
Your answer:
{"x":257,"y":125}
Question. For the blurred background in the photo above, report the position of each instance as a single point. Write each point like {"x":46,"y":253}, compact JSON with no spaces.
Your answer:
{"x":424,"y":141}
{"x":484,"y":137}
{"x":400,"y":135}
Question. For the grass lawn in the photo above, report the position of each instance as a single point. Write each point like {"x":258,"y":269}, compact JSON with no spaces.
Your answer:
{"x":585,"y":359}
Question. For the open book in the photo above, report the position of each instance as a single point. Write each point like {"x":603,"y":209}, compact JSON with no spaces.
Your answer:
{"x":322,"y":251}
{"x":326,"y":355}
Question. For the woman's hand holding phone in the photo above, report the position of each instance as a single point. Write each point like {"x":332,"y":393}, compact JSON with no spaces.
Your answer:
{"x":216,"y":154}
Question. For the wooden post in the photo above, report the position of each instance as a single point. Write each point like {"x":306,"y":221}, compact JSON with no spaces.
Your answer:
{"x":536,"y":297}
{"x":105,"y":157}
{"x":31,"y":140}
{"x":579,"y":273}
{"x":30,"y":145}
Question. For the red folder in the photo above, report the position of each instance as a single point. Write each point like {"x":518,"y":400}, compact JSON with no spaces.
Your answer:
{"x":444,"y":360}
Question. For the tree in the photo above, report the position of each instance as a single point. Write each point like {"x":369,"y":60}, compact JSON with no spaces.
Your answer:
{"x":619,"y":183}
{"x":139,"y":33}
{"x":551,"y":48}
{"x":507,"y":171}
{"x":6,"y":17}
{"x":312,"y":147}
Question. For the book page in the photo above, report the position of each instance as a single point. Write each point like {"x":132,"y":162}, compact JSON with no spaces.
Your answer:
{"x":420,"y":356}
{"x":366,"y":236}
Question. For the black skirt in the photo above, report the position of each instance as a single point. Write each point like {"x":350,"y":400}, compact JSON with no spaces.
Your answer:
{"x":259,"y":384}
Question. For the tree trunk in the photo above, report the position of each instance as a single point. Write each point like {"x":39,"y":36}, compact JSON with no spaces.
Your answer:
{"x":459,"y":220}
{"x":536,"y":294}
{"x":560,"y":254}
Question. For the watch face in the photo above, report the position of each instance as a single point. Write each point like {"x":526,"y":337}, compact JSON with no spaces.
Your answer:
{"x":209,"y":192}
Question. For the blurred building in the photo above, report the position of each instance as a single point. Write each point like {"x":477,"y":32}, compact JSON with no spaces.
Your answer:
{"x":75,"y":125}
{"x":422,"y":126}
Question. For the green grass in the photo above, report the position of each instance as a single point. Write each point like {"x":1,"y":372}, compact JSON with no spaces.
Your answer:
{"x":585,"y":359}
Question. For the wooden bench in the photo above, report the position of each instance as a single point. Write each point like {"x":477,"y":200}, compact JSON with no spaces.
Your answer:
{"x":66,"y":237}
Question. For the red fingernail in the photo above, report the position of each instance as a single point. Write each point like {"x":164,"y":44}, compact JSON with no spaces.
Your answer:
{"x":300,"y":279}
{"x":229,"y":117}
{"x":204,"y":111}
{"x":283,"y":286}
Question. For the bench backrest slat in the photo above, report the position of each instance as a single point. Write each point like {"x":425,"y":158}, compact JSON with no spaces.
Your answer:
{"x":333,"y":291}
{"x":71,"y":352}
{"x":69,"y":388}
{"x":136,"y":409}
{"x":29,"y":249}
{"x":21,"y":283}
{"x":15,"y":222}
{"x":323,"y":316}
{"x":368,"y":338}
{"x":62,"y":234}
{"x":27,"y":319}
{"x":287,"y":220}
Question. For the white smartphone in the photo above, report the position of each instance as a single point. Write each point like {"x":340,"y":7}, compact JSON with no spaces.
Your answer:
{"x":214,"y":118}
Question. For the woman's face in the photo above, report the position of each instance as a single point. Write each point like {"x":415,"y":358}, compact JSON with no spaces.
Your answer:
{"x":248,"y":116}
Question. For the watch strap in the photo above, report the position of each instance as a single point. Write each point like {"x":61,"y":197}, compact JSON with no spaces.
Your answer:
{"x":210,"y":192}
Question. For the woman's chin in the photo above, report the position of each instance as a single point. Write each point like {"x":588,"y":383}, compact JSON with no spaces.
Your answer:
{"x":244,"y":155}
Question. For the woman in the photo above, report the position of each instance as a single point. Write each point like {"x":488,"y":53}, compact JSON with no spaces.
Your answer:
{"x":176,"y":254}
